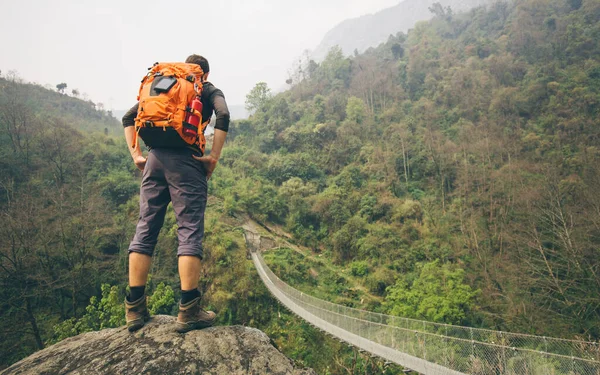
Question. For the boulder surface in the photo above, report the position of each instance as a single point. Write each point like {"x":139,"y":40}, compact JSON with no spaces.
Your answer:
{"x":158,"y":349}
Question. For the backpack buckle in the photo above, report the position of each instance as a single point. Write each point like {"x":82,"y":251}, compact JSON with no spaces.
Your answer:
{"x":149,"y":124}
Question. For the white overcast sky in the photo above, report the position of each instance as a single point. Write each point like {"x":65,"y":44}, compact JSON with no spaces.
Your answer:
{"x":103,"y":47}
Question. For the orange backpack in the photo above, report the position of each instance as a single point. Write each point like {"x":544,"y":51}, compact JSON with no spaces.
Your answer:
{"x":164,"y":104}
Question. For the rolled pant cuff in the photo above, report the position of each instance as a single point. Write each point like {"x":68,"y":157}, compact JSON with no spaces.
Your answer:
{"x":141,"y":250}
{"x":190,"y":250}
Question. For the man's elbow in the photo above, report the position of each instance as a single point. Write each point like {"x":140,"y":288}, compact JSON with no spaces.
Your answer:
{"x":129,"y":117}
{"x":128,"y":120}
{"x":222,"y":123}
{"x":224,"y":115}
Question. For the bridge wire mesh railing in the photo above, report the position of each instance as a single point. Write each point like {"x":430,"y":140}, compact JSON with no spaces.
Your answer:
{"x":462,"y":349}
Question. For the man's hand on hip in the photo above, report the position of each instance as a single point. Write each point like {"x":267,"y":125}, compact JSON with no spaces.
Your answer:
{"x":208,"y":162}
{"x":140,"y":162}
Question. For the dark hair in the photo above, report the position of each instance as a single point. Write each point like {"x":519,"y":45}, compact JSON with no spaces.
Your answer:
{"x":197,"y":59}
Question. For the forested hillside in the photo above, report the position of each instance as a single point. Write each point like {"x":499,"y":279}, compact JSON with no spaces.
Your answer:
{"x":358,"y":34}
{"x":60,"y":181}
{"x":450,"y":175}
{"x":454,"y":168}
{"x":35,"y":101}
{"x":68,"y":208}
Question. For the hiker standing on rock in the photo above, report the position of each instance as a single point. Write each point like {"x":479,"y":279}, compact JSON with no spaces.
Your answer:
{"x":174,"y":107}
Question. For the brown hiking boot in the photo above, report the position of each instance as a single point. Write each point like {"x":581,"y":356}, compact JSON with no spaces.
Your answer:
{"x":136,"y":313}
{"x":191,"y":316}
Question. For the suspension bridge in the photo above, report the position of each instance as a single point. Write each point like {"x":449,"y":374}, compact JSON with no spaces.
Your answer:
{"x":432,"y":348}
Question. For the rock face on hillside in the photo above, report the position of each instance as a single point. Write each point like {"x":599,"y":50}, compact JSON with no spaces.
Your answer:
{"x":158,"y":349}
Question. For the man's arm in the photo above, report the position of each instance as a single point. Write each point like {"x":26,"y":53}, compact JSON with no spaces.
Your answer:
{"x":128,"y":125}
{"x":218,"y":142}
{"x":221,"y":128}
{"x":210,"y":161}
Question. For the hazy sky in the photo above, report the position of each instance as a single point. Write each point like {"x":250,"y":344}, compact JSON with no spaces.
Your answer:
{"x":103,"y":47}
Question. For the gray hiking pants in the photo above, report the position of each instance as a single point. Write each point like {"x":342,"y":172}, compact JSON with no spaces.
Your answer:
{"x":172,"y":175}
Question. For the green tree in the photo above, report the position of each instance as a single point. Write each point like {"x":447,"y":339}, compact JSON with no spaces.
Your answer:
{"x":162,"y":300}
{"x":355,"y":109}
{"x":439,"y":294}
{"x":335,"y":69}
{"x":345,"y":241}
{"x":439,"y":11}
{"x":109,"y":311}
{"x":397,"y":51}
{"x":61,"y":87}
{"x":106,"y":312}
{"x":257,"y":97}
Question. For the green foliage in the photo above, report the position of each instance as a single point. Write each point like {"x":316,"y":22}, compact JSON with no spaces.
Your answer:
{"x":356,"y":109}
{"x":335,"y":69}
{"x":438,"y":294}
{"x":257,"y":97}
{"x":359,"y":268}
{"x":58,"y":234}
{"x":380,"y":280}
{"x":108,"y":312}
{"x":459,"y":157}
{"x":367,"y":206}
{"x":345,"y":241}
{"x":162,"y":300}
{"x":61,"y":87}
{"x":118,"y":187}
{"x":281,"y":168}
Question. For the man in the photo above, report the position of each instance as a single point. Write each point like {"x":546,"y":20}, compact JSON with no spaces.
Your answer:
{"x":178,"y":175}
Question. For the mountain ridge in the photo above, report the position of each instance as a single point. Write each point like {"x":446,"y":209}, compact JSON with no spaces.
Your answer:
{"x":39,"y":101}
{"x":372,"y":29}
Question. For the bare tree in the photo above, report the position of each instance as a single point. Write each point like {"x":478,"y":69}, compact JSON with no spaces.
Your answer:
{"x":18,"y":119}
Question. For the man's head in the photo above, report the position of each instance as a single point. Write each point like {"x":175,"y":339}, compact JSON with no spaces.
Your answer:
{"x":199,"y":60}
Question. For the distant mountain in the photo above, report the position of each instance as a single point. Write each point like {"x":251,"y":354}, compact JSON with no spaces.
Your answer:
{"x":372,"y":29}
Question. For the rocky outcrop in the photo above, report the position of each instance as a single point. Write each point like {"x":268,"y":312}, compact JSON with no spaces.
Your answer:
{"x":158,"y":349}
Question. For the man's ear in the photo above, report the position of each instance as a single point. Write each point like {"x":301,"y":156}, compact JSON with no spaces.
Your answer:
{"x":205,"y":77}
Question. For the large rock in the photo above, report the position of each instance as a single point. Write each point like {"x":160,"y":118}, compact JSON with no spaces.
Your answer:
{"x":158,"y":349}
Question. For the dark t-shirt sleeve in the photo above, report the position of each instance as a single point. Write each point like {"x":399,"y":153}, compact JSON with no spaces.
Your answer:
{"x":129,"y":117}
{"x":221,"y":110}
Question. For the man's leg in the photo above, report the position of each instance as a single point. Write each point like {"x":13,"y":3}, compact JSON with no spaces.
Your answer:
{"x":154,"y":199}
{"x":135,"y":303}
{"x":189,"y":271}
{"x":139,"y":266}
{"x":188,"y":190}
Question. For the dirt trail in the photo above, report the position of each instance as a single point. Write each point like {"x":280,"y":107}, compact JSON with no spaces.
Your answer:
{"x":276,"y":238}
{"x":251,"y":235}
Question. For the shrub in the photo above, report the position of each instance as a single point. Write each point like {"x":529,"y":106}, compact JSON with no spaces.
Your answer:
{"x":359,"y":268}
